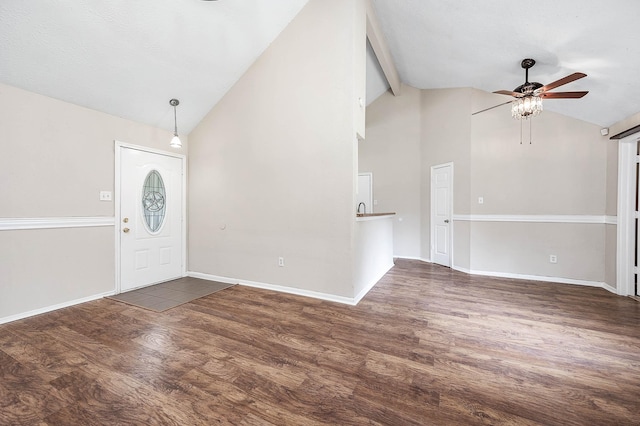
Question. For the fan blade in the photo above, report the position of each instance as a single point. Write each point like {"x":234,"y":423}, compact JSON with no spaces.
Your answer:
{"x":495,"y":106}
{"x":562,"y":95}
{"x":510,"y":93}
{"x":568,"y":79}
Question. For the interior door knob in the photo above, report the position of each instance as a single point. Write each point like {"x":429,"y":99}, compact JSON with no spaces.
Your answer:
{"x":125,"y":230}
{"x":125,"y":220}
{"x":446,"y":221}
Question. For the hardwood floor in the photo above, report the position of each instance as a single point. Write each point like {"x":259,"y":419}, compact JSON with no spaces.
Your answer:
{"x":427,"y":346}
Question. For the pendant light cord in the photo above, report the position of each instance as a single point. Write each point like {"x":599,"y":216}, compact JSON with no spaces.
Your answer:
{"x":175,"y":121}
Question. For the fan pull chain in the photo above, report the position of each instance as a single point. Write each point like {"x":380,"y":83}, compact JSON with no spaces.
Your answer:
{"x":530,"y":131}
{"x":520,"y":132}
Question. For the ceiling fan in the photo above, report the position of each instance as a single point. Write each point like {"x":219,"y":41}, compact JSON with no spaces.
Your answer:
{"x":529,"y":95}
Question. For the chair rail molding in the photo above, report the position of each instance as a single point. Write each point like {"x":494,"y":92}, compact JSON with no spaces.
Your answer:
{"x":530,"y":218}
{"x":12,"y":224}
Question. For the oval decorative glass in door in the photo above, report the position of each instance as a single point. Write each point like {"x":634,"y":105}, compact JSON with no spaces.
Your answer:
{"x":154,"y":201}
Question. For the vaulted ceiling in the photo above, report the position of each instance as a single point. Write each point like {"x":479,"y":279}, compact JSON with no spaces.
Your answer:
{"x":128,"y":58}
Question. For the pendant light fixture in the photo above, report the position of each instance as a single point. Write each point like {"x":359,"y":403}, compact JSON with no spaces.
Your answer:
{"x":175,"y":141}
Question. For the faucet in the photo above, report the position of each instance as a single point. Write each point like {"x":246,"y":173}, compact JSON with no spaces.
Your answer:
{"x":364,"y":207}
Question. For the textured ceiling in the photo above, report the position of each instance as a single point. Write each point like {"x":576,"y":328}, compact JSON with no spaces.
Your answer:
{"x":471,"y":43}
{"x":128,"y":58}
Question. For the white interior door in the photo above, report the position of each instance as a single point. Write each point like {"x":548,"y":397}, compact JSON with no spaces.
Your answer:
{"x":441,"y":212}
{"x":365,"y":193}
{"x":151,"y":208}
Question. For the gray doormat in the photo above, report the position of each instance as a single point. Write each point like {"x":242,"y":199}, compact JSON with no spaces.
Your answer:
{"x":163,"y":296}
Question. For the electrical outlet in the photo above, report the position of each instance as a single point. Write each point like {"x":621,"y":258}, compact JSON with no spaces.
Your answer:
{"x":553,"y":258}
{"x":105,"y":195}
{"x":281,"y":261}
{"x":480,"y":200}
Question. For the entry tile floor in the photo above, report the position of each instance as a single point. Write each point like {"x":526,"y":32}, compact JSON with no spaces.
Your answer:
{"x":170,"y":294}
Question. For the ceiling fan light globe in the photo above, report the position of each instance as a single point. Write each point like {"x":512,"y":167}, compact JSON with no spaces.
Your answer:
{"x":526,"y":107}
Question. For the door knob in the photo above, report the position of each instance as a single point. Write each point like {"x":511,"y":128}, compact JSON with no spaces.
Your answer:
{"x":125,"y":220}
{"x":125,"y":230}
{"x":446,"y":221}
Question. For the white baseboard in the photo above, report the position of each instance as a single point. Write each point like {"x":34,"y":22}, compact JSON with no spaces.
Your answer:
{"x":399,"y":256}
{"x":209,"y":277}
{"x":412,"y":258}
{"x":278,"y":288}
{"x":536,"y":278}
{"x":54,"y":307}
{"x":610,"y":288}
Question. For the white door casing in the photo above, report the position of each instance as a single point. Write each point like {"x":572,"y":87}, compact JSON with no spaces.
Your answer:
{"x":441,"y":214}
{"x":145,"y":256}
{"x":627,"y":192}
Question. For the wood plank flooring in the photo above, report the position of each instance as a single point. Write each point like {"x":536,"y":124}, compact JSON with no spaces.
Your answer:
{"x":427,"y":346}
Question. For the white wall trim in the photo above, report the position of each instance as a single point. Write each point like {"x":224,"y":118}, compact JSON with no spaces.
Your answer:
{"x":281,"y":289}
{"x":543,"y":278}
{"x":609,"y":288}
{"x":593,"y":219}
{"x":611,"y":220}
{"x":12,"y":224}
{"x":627,"y":157}
{"x":54,"y":307}
{"x":422,"y":259}
{"x":209,"y":277}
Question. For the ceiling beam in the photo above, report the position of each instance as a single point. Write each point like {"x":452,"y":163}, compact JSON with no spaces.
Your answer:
{"x":381,"y":49}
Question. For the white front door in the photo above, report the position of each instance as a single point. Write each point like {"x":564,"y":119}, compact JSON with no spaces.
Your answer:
{"x":150,"y":228}
{"x":441,"y":211}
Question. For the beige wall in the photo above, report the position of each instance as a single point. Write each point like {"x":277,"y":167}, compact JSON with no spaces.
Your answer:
{"x":49,"y":267}
{"x":611,"y":247}
{"x":559,"y":169}
{"x":445,"y":137}
{"x":273,"y":166}
{"x":612,"y":176}
{"x":566,"y":170}
{"x":524,"y":248}
{"x":56,"y":159}
{"x":391,"y":151}
{"x":562,"y":170}
{"x":59,"y":156}
{"x":612,"y":209}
